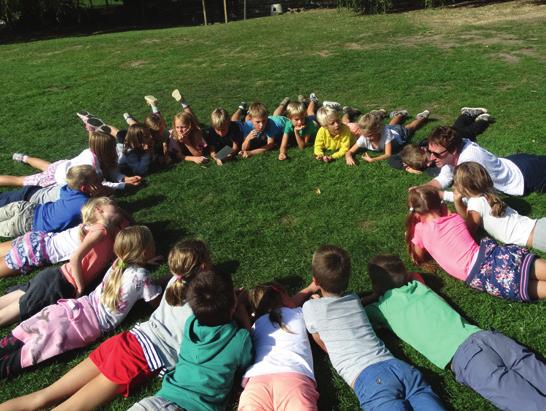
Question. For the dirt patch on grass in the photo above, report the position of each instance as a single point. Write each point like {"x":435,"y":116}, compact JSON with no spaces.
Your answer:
{"x":506,"y":57}
{"x":356,"y":46}
{"x":324,"y":53}
{"x":53,"y":53}
{"x":366,"y":225}
{"x":135,"y":63}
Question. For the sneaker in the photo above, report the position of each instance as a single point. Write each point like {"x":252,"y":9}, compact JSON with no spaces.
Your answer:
{"x":483,"y":117}
{"x":381,"y":113}
{"x":89,"y":120}
{"x":19,"y":157}
{"x":423,"y":115}
{"x":301,"y":98}
{"x":313,"y":97}
{"x":285,"y":101}
{"x":403,"y":113}
{"x":104,"y":129}
{"x":127,"y":116}
{"x":334,"y":105}
{"x":243,"y":106}
{"x":473,"y":111}
{"x":151,"y":100}
{"x":176,"y":95}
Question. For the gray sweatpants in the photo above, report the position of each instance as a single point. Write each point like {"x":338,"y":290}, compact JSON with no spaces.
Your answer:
{"x":16,"y":218}
{"x":154,"y":403}
{"x":502,"y":371}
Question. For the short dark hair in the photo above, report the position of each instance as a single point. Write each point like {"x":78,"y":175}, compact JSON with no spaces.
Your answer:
{"x":446,"y":137}
{"x":211,"y":298}
{"x":331,"y":267}
{"x":386,"y":272}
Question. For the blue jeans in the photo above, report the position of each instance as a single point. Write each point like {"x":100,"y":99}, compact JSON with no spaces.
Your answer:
{"x":394,"y":385}
{"x":22,"y":194}
{"x":533,"y":168}
{"x":502,"y":371}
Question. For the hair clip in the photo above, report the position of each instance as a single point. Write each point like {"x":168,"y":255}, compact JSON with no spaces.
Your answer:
{"x":122,"y":265}
{"x":411,"y":209}
{"x":180,"y":278}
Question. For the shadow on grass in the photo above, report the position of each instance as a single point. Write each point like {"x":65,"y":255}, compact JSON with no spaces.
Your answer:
{"x":228,"y":267}
{"x":328,"y":399}
{"x":141,"y":203}
{"x":518,"y":204}
{"x":292,"y":283}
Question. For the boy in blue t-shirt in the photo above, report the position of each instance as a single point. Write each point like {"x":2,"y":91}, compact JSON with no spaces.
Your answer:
{"x":213,"y":349}
{"x":261,"y":133}
{"x":21,"y":217}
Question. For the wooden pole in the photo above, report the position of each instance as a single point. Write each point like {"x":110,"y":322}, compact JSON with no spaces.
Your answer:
{"x":244,"y":9}
{"x":225,"y":10}
{"x":204,"y":11}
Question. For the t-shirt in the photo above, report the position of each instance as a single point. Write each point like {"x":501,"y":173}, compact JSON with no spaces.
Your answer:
{"x":136,"y":284}
{"x":421,"y":318}
{"x":506,"y":176}
{"x":511,"y":228}
{"x":234,"y":135}
{"x":165,"y":329}
{"x":449,"y":242}
{"x":344,"y":328}
{"x":97,"y":258}
{"x":340,"y":144}
{"x":279,"y":351}
{"x":207,"y":362}
{"x":388,"y":135}
{"x":310,"y":128}
{"x":60,"y":246}
{"x":274,"y":129}
{"x":59,"y":215}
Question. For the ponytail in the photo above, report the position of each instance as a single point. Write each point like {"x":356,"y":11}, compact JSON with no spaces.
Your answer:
{"x":498,"y":207}
{"x":267,"y":299}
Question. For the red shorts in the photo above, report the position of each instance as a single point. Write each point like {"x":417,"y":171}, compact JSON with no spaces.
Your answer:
{"x":121,"y":360}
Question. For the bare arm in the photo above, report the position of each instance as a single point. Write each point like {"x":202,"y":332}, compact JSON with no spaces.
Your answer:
{"x":318,"y":340}
{"x":76,"y":258}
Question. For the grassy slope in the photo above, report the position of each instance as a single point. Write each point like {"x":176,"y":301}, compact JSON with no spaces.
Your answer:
{"x":263,"y":215}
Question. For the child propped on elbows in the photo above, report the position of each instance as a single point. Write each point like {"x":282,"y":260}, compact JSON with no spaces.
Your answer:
{"x":339,"y":325}
{"x":333,"y":138}
{"x":493,"y":365}
{"x":223,"y":133}
{"x":301,"y":130}
{"x":214,"y":348}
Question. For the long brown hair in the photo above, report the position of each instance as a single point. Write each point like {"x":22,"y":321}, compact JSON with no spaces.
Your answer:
{"x":133,"y":245}
{"x":186,"y":259}
{"x":104,"y":147}
{"x":421,"y":200}
{"x":267,"y":299}
{"x":473,"y":180}
{"x":195,"y":137}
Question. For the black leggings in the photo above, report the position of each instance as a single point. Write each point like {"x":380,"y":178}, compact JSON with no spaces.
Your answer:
{"x":10,"y":356}
{"x":466,"y":127}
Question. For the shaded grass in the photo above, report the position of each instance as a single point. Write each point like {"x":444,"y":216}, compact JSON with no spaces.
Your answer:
{"x":264,"y":216}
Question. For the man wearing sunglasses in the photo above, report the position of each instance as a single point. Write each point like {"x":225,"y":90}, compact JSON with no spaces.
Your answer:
{"x":517,"y":175}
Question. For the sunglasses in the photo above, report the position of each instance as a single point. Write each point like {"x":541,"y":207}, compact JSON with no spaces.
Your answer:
{"x":436,"y":154}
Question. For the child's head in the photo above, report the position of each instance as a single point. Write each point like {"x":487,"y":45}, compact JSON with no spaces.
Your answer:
{"x":444,"y":143}
{"x":184,"y":123}
{"x":387,"y":272}
{"x":370,"y":125}
{"x":104,"y":147}
{"x":329,"y":119}
{"x":137,"y":136}
{"x":133,"y":245}
{"x":331,"y":267}
{"x":415,"y":157}
{"x":422,"y":200}
{"x":102,"y":210}
{"x":268,"y":299}
{"x":212,"y":298}
{"x":186,"y":259}
{"x":472,"y":180}
{"x":156,"y":123}
{"x":220,"y":121}
{"x":81,"y":178}
{"x":258,"y":116}
{"x":296,"y":113}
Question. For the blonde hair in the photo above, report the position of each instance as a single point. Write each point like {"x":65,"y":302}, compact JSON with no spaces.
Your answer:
{"x":133,"y":245}
{"x":78,"y":176}
{"x":473,"y":180}
{"x":267,"y":299}
{"x":370,"y":124}
{"x":257,"y":110}
{"x":155,"y":122}
{"x":325,"y":115}
{"x":186,"y":259}
{"x":219,"y":117}
{"x":89,"y":216}
{"x":187,"y":118}
{"x":295,"y":109}
{"x":104,"y":147}
{"x":414,"y":157}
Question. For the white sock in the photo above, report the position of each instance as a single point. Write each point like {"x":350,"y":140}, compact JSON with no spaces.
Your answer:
{"x":155,"y":109}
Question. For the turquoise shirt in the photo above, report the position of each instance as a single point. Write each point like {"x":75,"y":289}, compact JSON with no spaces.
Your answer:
{"x":421,"y":318}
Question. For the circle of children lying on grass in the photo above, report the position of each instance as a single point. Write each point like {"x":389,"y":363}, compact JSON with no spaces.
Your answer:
{"x":191,"y":335}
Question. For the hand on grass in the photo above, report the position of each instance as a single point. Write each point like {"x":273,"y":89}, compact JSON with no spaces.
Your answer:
{"x":200,"y":160}
{"x":133,"y":181}
{"x":350,"y":161}
{"x":282,"y":156}
{"x":366,"y":157}
{"x":218,"y":162}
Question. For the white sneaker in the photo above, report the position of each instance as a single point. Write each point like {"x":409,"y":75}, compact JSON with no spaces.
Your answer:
{"x":403,"y":113}
{"x":485,"y":117}
{"x":334,"y":105}
{"x":151,"y":100}
{"x":19,"y":157}
{"x":473,"y":111}
{"x":423,"y":115}
{"x":176,"y":95}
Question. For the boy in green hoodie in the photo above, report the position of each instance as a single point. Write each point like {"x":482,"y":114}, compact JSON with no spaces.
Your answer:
{"x":214,"y":348}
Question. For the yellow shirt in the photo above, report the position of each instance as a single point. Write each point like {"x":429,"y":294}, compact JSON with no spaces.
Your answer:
{"x":340,"y":143}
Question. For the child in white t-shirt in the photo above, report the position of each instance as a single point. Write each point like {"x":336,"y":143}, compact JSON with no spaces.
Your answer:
{"x":471,"y":180}
{"x":282,"y":375}
{"x":372,"y":135}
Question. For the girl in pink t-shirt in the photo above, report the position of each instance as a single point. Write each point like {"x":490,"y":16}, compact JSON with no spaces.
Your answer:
{"x":76,"y":323}
{"x":508,"y":271}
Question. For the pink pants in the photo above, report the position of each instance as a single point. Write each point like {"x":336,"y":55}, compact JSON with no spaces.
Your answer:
{"x":279,"y":392}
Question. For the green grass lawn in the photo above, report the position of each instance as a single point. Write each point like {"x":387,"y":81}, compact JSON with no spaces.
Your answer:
{"x":265,"y":217}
